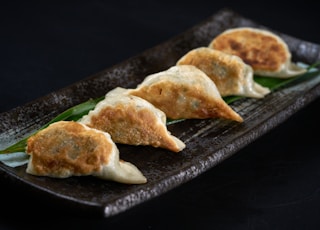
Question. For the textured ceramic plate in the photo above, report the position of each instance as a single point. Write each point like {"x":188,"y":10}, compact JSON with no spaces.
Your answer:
{"x":209,"y":142}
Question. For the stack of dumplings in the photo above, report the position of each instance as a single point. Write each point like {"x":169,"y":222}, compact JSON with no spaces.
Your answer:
{"x":192,"y":89}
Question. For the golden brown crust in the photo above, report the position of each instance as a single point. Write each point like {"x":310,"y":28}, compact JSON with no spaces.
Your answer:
{"x":224,"y":70}
{"x":180,"y":101}
{"x":66,"y":147}
{"x":260,"y":49}
{"x":129,"y":125}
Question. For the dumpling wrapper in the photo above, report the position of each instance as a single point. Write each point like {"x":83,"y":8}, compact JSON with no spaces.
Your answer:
{"x":266,"y":52}
{"x":132,"y":120}
{"x":68,"y":148}
{"x":185,"y":92}
{"x":229,"y":73}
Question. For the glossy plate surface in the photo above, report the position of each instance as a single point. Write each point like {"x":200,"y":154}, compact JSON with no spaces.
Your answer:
{"x":208,"y":142}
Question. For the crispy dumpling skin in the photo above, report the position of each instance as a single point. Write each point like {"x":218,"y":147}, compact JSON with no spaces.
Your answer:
{"x":68,"y":148}
{"x":185,"y":92}
{"x":132,"y":120}
{"x":263,"y":50}
{"x":229,"y":73}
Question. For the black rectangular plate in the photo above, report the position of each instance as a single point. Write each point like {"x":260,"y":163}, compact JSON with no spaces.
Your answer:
{"x":208,"y":142}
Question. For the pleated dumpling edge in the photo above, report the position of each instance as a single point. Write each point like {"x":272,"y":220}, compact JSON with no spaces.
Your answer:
{"x":69,"y":148}
{"x":267,"y":53}
{"x":231,"y":75}
{"x":132,"y":120}
{"x":185,"y":92}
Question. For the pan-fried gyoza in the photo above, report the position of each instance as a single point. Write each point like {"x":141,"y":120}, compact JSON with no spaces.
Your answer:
{"x":184,"y":92}
{"x":132,"y":120}
{"x":229,"y":73}
{"x":191,"y":89}
{"x":264,"y":51}
{"x":68,"y":148}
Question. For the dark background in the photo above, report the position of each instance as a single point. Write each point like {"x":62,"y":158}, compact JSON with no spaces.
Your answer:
{"x":273,"y":183}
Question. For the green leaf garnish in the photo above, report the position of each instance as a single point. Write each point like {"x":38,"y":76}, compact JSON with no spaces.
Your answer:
{"x":76,"y":112}
{"x":275,"y":83}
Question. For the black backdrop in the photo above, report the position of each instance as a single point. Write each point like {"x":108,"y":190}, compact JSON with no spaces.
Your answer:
{"x":274,"y":183}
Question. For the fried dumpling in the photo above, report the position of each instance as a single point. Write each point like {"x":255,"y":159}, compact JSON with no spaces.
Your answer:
{"x":69,"y":148}
{"x":263,"y":50}
{"x":132,"y":120}
{"x":185,"y":92}
{"x":229,"y":73}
